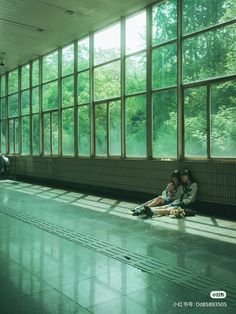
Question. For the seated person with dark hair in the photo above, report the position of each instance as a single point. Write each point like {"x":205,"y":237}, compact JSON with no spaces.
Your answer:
{"x":182,"y":206}
{"x":172,"y":192}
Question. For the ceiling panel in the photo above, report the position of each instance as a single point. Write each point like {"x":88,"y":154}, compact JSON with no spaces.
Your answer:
{"x":29,"y":28}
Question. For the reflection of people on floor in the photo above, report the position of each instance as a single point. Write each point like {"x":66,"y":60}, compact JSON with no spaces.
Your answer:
{"x":185,"y":205}
{"x":173,"y":192}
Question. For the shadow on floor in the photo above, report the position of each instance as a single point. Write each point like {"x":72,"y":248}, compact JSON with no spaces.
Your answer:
{"x":217,"y":229}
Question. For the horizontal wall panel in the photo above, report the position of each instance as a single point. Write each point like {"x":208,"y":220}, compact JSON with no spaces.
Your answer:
{"x":217,"y":180}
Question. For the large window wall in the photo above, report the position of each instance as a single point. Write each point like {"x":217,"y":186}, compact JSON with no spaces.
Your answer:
{"x":157,"y":84}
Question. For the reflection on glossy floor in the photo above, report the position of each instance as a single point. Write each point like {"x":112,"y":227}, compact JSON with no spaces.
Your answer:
{"x":42,"y":273}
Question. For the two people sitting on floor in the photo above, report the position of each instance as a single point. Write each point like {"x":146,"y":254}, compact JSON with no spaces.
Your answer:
{"x":178,"y":199}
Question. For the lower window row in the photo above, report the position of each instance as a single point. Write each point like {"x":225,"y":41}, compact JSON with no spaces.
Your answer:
{"x":220,"y":126}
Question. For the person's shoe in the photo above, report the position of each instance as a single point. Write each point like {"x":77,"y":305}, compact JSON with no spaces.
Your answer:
{"x":136,"y":208}
{"x":138,"y":211}
{"x":190,"y":212}
{"x":148,"y":212}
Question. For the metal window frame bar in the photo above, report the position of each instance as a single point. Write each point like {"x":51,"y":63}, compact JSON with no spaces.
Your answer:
{"x":165,"y":43}
{"x":208,"y":129}
{"x":149,"y":113}
{"x":60,"y":142}
{"x":41,"y":114}
{"x":180,"y":98}
{"x":7,"y":115}
{"x":19,"y":112}
{"x":208,"y":29}
{"x":108,"y":127}
{"x":76,"y":122}
{"x":122,"y":98}
{"x":92,"y":107}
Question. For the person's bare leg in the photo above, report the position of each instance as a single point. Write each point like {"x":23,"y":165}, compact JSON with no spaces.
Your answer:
{"x":156,"y":202}
{"x":145,"y":204}
{"x":163,"y":211}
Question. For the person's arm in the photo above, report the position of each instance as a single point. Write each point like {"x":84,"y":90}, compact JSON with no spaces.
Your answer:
{"x":177,"y":202}
{"x":165,"y":193}
{"x":178,"y":197}
{"x":192,"y":195}
{"x":178,"y":194}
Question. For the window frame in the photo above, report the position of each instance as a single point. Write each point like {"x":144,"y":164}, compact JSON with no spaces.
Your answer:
{"x":150,"y":91}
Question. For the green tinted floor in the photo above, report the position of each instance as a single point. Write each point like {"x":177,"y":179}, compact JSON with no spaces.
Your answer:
{"x":44,"y":273}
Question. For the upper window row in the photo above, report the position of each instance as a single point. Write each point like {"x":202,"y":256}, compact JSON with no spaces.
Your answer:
{"x":198,"y":51}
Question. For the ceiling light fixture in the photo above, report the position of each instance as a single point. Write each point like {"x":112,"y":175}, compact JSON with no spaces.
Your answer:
{"x":69,"y":12}
{"x":22,"y":24}
{"x":2,"y":59}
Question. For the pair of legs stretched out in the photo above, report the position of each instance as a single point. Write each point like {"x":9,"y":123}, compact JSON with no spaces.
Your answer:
{"x":168,"y":210}
{"x":158,"y":201}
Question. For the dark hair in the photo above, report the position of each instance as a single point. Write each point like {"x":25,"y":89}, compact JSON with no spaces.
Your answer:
{"x":187,"y":173}
{"x":176,"y":174}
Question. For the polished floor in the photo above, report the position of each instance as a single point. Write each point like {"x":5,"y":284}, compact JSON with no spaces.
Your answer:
{"x":41,"y":272}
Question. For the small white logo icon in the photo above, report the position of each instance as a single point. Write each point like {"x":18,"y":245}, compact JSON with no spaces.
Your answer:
{"x":218,"y":294}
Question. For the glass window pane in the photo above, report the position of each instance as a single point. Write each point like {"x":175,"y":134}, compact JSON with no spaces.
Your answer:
{"x":3,"y":136}
{"x":68,"y":131}
{"x":47,"y":133}
{"x":84,"y":130}
{"x":16,"y":136}
{"x":11,"y":136}
{"x":68,"y":60}
{"x":3,"y":108}
{"x":107,"y":44}
{"x":25,"y":102}
{"x":164,"y":22}
{"x":223,"y":120}
{"x":135,"y":80}
{"x":36,"y":134}
{"x":83,"y":54}
{"x":164,"y":66}
{"x":50,"y":67}
{"x":35,"y":73}
{"x":136,"y":33}
{"x":13,"y":105}
{"x":25,"y":76}
{"x":68,"y":91}
{"x":83,"y":87}
{"x":25,"y":135}
{"x":51,"y":133}
{"x":3,"y":85}
{"x":199,"y":14}
{"x":55,"y":133}
{"x":195,"y":122}
{"x":107,"y":81}
{"x":135,"y":120}
{"x":165,"y":124}
{"x":50,"y":96}
{"x":115,"y":128}
{"x":101,"y":129}
{"x":210,"y":54}
{"x":13,"y":82}
{"x":35,"y":100}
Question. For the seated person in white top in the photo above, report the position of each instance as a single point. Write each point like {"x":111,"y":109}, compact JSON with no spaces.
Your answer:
{"x":184,"y":205}
{"x":172,"y":192}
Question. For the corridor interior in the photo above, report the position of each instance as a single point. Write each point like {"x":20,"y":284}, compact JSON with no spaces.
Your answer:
{"x":128,"y":264}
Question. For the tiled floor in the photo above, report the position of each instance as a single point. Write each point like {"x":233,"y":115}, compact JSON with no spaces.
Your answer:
{"x":42,"y":273}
